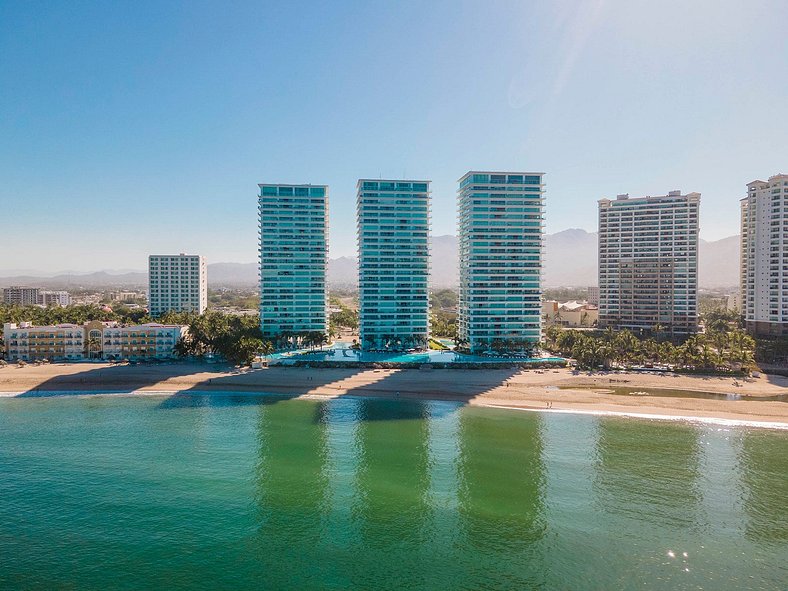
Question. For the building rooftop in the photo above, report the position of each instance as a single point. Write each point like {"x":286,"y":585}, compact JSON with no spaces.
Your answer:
{"x":648,"y":198}
{"x":501,"y":172}
{"x":290,"y":185}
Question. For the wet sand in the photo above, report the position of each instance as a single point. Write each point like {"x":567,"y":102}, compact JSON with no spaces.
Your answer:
{"x":562,"y":389}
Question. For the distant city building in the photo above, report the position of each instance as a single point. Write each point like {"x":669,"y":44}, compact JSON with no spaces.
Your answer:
{"x":92,"y":340}
{"x":125,"y":296}
{"x":500,"y":252}
{"x":570,"y":314}
{"x":177,"y":283}
{"x":764,"y":256}
{"x":593,"y":295}
{"x":293,"y":257}
{"x":87,"y":299}
{"x":54,"y":298}
{"x":21,"y":296}
{"x":393,"y":254}
{"x":733,"y":302}
{"x":648,"y":262}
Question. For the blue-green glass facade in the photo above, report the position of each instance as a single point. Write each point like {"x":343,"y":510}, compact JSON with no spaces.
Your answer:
{"x":500,"y":216}
{"x":293,"y":258}
{"x":393,"y":249}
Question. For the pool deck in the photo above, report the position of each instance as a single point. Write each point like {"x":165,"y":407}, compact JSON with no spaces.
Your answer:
{"x":339,"y":356}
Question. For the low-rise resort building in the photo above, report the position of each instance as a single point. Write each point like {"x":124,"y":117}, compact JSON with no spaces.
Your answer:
{"x":91,"y":341}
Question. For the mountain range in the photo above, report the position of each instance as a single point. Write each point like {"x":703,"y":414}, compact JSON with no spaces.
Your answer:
{"x":570,"y":260}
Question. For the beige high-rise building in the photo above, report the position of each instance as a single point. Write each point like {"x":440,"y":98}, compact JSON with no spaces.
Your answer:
{"x":764,"y":256}
{"x":648,"y":262}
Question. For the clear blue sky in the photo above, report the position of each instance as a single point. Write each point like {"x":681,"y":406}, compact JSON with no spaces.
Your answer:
{"x":135,"y":127}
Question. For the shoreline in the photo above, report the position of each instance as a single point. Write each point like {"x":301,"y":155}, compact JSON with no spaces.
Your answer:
{"x":706,"y":420}
{"x":753,"y":402}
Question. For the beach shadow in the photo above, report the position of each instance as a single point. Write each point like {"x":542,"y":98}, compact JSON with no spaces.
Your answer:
{"x":106,"y":379}
{"x":402,"y":392}
{"x":385,"y":394}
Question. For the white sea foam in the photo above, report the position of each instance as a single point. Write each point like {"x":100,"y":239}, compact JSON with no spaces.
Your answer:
{"x":642,"y":415}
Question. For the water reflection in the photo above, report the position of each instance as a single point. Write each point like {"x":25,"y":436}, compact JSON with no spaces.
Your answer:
{"x":765,"y":483}
{"x":392,"y":510}
{"x":292,"y":485}
{"x":501,"y":499}
{"x":649,"y":471}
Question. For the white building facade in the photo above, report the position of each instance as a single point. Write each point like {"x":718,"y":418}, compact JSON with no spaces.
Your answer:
{"x":501,"y":223}
{"x":764,"y":256}
{"x":293,"y":258}
{"x":54,"y":298}
{"x":177,"y":283}
{"x":393,"y":270}
{"x":648,"y":262}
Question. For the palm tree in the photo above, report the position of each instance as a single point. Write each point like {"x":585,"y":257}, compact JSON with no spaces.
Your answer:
{"x":266,"y":349}
{"x":94,"y":346}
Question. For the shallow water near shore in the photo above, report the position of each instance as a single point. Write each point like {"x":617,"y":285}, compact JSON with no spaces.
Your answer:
{"x":674,"y":393}
{"x":202,"y":491}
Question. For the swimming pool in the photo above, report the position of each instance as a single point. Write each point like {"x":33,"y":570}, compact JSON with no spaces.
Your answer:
{"x":342,"y":354}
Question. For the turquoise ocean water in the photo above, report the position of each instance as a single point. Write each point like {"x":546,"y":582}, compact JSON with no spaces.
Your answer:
{"x":247,"y":492}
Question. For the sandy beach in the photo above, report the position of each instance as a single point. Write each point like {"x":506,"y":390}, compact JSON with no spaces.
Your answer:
{"x":562,"y":389}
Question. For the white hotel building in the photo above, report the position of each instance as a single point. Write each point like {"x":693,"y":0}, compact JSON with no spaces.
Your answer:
{"x":177,"y":283}
{"x":393,"y":257}
{"x":500,"y":239}
{"x":764,"y":256}
{"x":293,"y":258}
{"x":648,"y":262}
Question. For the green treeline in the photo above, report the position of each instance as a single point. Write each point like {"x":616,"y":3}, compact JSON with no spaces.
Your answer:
{"x":723,"y":347}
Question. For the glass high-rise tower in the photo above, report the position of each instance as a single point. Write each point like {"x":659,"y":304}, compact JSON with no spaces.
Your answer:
{"x":500,"y":235}
{"x":293,"y":258}
{"x":393,"y":257}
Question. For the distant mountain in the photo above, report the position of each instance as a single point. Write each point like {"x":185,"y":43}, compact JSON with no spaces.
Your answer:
{"x":718,"y":262}
{"x":342,"y":273}
{"x":444,"y":261}
{"x":233,"y":274}
{"x":570,"y":260}
{"x":79,"y":280}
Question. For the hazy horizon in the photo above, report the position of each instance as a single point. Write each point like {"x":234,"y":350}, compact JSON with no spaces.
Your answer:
{"x":22,"y":272}
{"x":132,"y":129}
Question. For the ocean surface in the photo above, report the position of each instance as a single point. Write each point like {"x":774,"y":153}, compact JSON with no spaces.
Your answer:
{"x":256,"y":492}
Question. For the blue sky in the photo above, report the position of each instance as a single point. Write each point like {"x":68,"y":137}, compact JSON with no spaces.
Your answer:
{"x":129,"y":128}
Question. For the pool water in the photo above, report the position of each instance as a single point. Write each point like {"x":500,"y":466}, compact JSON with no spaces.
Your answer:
{"x":345,"y":354}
